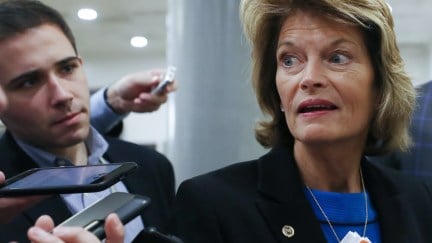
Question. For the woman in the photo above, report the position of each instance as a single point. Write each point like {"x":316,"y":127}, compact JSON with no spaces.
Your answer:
{"x":330,"y":77}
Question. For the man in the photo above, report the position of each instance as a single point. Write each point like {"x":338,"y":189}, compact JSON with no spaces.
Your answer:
{"x":47,"y":120}
{"x":416,"y":161}
{"x":130,"y":94}
{"x":9,"y":207}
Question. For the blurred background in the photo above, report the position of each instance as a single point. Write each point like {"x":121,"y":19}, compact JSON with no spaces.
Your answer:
{"x":208,"y":123}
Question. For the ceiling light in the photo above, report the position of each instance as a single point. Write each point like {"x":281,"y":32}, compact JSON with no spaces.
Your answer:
{"x":139,"y":41}
{"x":87,"y":14}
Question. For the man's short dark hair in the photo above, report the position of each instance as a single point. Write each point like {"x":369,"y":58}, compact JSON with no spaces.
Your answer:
{"x":17,"y":16}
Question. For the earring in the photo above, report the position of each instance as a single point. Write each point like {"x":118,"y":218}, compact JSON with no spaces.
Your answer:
{"x":282,"y":109}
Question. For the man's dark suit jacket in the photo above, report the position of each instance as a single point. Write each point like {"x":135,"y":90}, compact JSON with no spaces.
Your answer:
{"x":153,"y":178}
{"x":252,"y":201}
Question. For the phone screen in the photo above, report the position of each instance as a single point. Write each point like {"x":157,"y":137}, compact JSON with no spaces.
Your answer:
{"x":62,"y":176}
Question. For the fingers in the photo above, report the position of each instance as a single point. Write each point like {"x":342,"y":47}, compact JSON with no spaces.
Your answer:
{"x":157,"y":74}
{"x":45,"y":222}
{"x":114,"y":229}
{"x":171,"y":88}
{"x":150,"y":98}
{"x":75,"y":235}
{"x":2,"y":177}
{"x":157,"y":77}
{"x":148,"y":103}
{"x":38,"y":235}
{"x":40,"y":232}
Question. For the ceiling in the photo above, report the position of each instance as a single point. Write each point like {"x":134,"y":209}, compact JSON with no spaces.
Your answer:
{"x":119,"y":20}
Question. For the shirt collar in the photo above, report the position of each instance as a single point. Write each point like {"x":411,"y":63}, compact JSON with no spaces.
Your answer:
{"x":95,"y":144}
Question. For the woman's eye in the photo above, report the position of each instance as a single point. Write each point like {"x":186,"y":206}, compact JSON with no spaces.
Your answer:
{"x":339,"y":59}
{"x":289,"y":61}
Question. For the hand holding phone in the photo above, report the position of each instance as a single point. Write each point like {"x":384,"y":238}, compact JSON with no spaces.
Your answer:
{"x":66,"y":179}
{"x":168,"y":79}
{"x":127,"y":206}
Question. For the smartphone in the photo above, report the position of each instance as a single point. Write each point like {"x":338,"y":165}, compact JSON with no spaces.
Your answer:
{"x":127,"y":206}
{"x":168,"y":78}
{"x":66,"y":179}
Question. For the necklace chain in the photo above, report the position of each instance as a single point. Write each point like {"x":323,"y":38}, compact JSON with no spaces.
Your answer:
{"x":327,"y":219}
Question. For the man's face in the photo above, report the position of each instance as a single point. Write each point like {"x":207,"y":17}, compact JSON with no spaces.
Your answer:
{"x":46,"y":89}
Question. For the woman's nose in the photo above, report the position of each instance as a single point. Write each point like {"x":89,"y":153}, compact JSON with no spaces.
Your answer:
{"x":313,"y":75}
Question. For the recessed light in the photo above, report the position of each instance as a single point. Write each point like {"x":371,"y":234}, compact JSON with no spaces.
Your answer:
{"x":87,"y":14}
{"x":139,"y":41}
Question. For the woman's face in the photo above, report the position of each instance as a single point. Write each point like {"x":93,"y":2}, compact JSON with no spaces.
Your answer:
{"x":325,"y":80}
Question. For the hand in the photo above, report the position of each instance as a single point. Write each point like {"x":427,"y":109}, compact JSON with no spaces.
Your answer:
{"x":12,"y":206}
{"x":40,"y":232}
{"x":132,"y":92}
{"x":3,"y":101}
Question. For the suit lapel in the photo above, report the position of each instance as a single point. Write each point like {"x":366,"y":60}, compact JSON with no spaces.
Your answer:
{"x":132,"y":182}
{"x":298,"y":216}
{"x":15,"y":161}
{"x":393,"y":228}
{"x":282,"y":201}
{"x":390,"y":204}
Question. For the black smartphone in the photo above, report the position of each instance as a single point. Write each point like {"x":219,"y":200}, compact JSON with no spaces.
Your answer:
{"x":167,"y":79}
{"x":66,"y":179}
{"x":127,"y":206}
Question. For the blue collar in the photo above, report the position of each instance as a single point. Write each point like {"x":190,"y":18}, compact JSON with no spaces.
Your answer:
{"x":95,"y":143}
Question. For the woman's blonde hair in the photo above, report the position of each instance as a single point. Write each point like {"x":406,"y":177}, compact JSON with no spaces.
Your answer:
{"x":262,"y":20}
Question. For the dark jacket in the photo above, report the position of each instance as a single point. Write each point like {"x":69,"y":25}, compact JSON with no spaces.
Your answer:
{"x":153,"y":178}
{"x":416,"y":161}
{"x":252,"y":201}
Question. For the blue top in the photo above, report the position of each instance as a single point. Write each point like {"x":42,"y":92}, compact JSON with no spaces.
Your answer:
{"x":346,"y":212}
